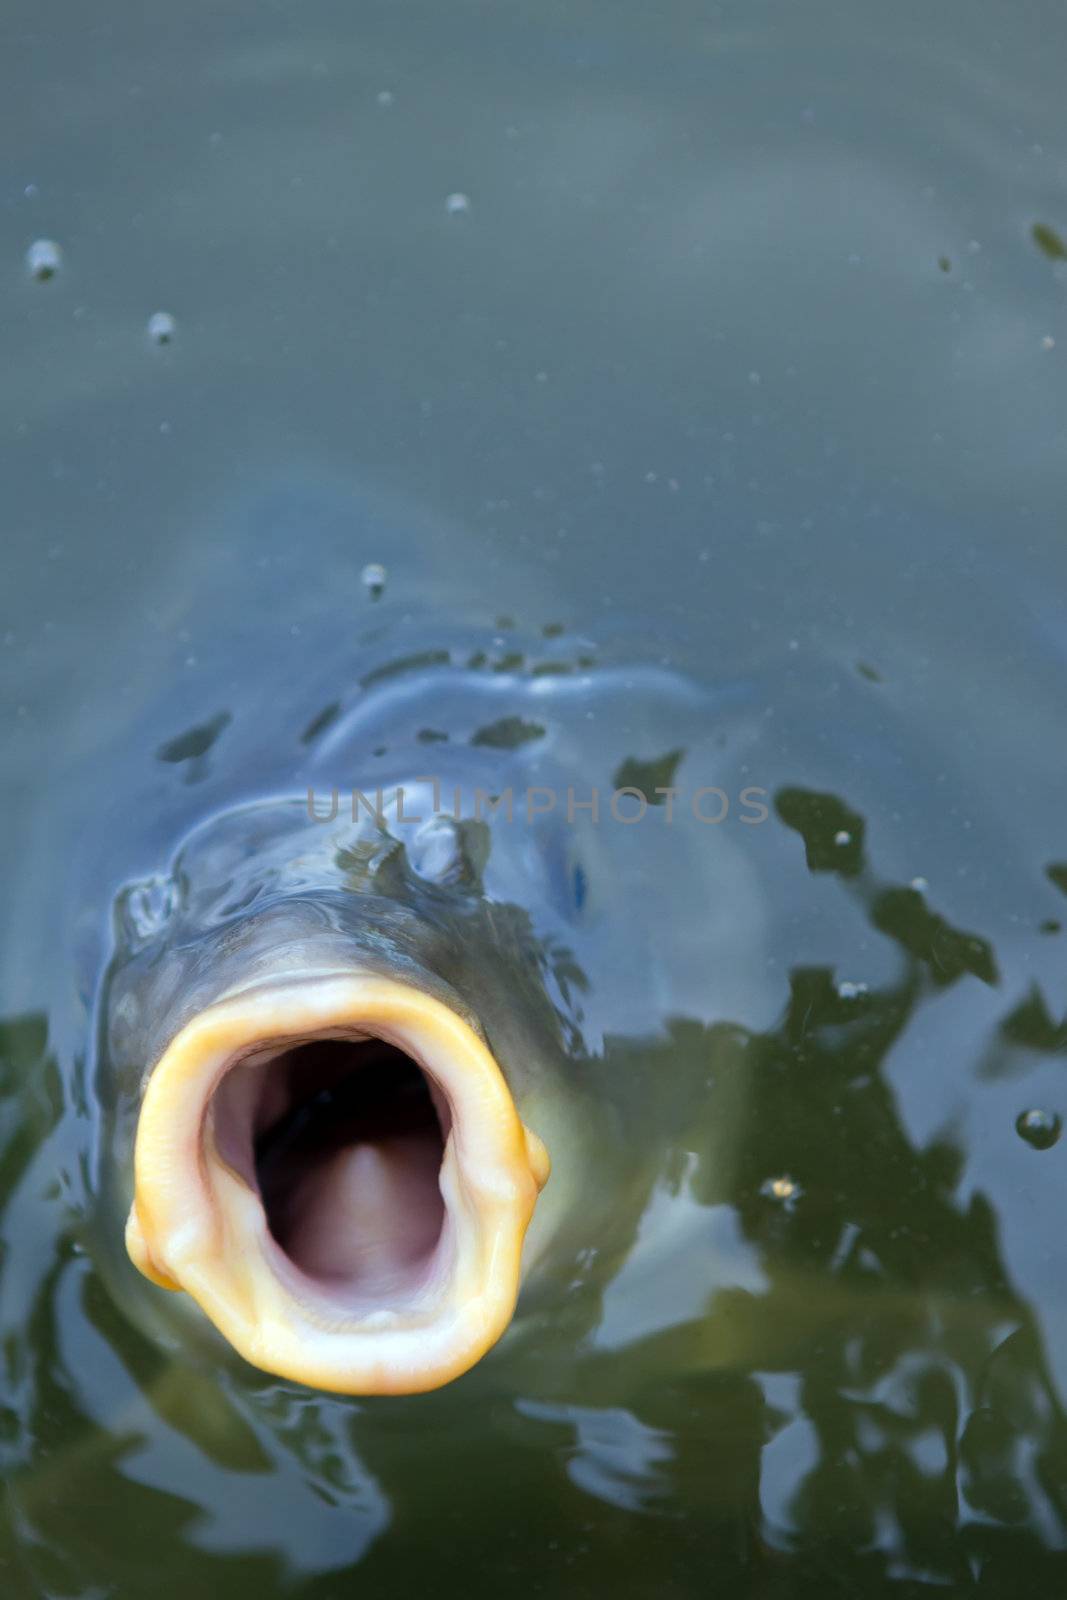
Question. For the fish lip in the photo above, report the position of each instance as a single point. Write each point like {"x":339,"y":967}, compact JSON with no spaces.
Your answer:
{"x":196,"y":1225}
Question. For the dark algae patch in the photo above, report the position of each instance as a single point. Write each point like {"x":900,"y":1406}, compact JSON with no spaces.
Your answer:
{"x":1032,"y":1025}
{"x":831,"y":831}
{"x":1049,"y":241}
{"x":196,"y":742}
{"x":508,"y":734}
{"x":318,"y":724}
{"x":947,"y":951}
{"x":648,"y":776}
{"x":418,"y":661}
{"x":191,"y":749}
{"x":1056,"y":872}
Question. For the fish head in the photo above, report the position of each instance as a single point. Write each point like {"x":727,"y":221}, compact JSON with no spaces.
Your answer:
{"x":318,"y":1141}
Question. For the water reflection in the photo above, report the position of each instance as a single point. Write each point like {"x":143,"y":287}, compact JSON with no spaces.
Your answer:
{"x":906,"y":1395}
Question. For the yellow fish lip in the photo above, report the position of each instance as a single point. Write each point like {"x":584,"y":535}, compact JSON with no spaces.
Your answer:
{"x":197,"y":1224}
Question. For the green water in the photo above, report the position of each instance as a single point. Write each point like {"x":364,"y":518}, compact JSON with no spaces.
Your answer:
{"x":744,"y":359}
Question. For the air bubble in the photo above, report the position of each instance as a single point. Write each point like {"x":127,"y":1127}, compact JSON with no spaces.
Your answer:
{"x":374,"y":578}
{"x":43,"y":260}
{"x":784,"y":1189}
{"x":161,"y":327}
{"x":1040,"y":1128}
{"x":457,"y":203}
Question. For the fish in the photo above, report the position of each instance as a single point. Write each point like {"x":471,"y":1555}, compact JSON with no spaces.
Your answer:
{"x":347,"y":1066}
{"x":328,"y":1157}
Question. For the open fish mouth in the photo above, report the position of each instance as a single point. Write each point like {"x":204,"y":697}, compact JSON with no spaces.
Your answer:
{"x":334,"y":1168}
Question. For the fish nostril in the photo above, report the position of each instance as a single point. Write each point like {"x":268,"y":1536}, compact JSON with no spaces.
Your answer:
{"x":144,"y":908}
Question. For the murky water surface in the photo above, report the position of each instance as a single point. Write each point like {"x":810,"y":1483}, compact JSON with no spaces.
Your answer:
{"x":646,"y":396}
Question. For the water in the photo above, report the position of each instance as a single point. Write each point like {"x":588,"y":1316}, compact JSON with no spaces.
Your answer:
{"x":743,"y":360}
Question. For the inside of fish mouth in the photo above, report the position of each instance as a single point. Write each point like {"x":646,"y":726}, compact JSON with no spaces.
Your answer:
{"x":342,"y":1139}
